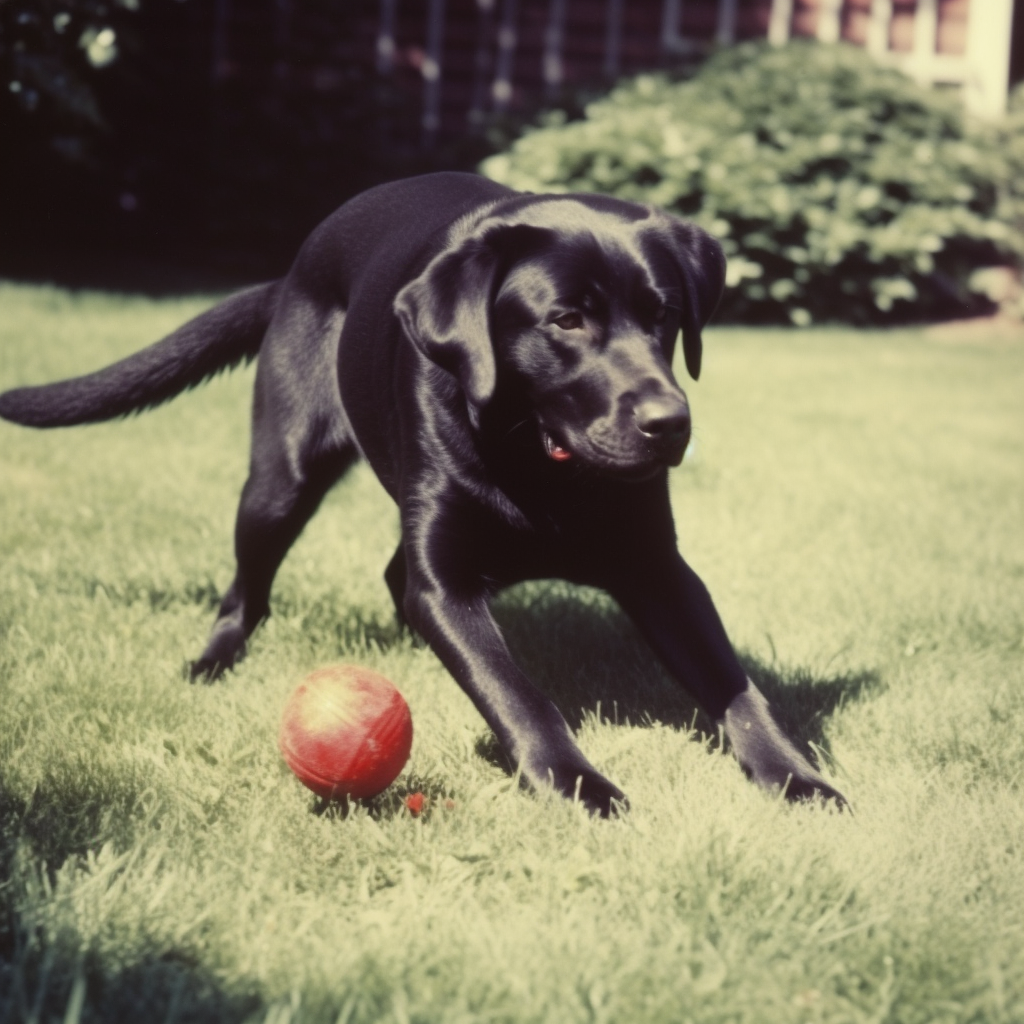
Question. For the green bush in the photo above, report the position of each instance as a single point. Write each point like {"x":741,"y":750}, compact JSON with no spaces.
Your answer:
{"x":840,"y":189}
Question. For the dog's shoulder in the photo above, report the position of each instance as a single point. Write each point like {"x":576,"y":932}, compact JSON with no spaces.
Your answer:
{"x":428,"y":199}
{"x":385,"y":235}
{"x":418,"y":213}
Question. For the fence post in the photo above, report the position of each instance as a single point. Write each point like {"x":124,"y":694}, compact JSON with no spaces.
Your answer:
{"x":725,"y":31}
{"x":828,"y":21}
{"x":926,"y":32}
{"x":878,"y":27}
{"x":221,"y":56}
{"x":612,"y":39}
{"x":553,"y":48}
{"x":780,"y":22}
{"x":502,"y":88}
{"x":481,"y":62}
{"x":670,"y":11}
{"x":989,"y":24}
{"x":386,"y":37}
{"x":431,"y":72}
{"x":673,"y":42}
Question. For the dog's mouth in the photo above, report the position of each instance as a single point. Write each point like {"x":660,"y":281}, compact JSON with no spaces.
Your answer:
{"x":555,"y":451}
{"x":603,"y":463}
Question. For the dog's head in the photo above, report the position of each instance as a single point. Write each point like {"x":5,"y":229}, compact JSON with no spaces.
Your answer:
{"x":575,"y":304}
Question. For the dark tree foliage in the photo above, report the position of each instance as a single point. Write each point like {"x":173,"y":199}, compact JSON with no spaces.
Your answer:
{"x":189,"y":129}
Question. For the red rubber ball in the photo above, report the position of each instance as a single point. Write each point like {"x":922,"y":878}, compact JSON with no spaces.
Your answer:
{"x":346,"y":731}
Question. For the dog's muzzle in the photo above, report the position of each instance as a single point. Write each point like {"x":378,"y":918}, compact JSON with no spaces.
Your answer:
{"x":664,"y":420}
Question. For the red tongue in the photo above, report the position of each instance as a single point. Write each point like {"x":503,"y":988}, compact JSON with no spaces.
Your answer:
{"x":559,"y":454}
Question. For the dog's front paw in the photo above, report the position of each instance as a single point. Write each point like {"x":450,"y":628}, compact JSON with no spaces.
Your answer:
{"x":204,"y":671}
{"x":766,"y":754}
{"x":578,"y":780}
{"x":226,"y":647}
{"x":794,"y":776}
{"x":809,"y":785}
{"x":591,"y":789}
{"x":778,"y":769}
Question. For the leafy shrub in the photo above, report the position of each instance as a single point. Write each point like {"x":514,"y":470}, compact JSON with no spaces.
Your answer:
{"x":840,"y":189}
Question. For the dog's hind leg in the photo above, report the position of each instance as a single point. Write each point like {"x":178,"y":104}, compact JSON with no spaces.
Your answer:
{"x":272,"y":513}
{"x":301,"y":445}
{"x":395,"y":576}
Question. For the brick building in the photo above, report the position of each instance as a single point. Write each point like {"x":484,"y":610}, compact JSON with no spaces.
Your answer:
{"x":473,"y":58}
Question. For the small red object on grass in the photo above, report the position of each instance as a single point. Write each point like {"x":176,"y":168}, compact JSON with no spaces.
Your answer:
{"x":346,"y":731}
{"x":415,"y":802}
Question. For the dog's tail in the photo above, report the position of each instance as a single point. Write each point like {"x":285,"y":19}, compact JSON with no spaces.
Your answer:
{"x":215,"y":340}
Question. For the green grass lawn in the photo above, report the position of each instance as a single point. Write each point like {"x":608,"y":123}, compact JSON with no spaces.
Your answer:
{"x":855,"y":503}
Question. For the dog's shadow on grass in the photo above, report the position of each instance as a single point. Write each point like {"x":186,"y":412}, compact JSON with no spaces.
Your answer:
{"x":40,"y":976}
{"x":585,"y":654}
{"x":582,"y":651}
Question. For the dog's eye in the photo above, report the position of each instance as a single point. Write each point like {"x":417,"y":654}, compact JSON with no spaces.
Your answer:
{"x":569,"y":321}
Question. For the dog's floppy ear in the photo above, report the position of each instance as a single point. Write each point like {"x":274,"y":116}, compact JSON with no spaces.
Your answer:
{"x":445,"y":313}
{"x":446,"y":310}
{"x":700,"y":263}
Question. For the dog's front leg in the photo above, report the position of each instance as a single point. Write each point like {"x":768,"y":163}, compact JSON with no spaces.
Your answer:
{"x":452,"y":614}
{"x":674,"y":611}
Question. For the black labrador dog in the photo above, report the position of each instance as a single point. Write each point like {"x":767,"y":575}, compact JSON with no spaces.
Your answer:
{"x":503,"y":361}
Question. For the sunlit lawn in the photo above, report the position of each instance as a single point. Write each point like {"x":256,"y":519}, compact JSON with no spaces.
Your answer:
{"x":855,"y":502}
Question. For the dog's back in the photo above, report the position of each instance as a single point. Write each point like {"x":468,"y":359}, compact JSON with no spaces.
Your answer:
{"x":355,"y":263}
{"x":358,"y":255}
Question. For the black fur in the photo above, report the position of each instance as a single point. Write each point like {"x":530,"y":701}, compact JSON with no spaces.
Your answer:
{"x":220,"y":338}
{"x":503,"y":361}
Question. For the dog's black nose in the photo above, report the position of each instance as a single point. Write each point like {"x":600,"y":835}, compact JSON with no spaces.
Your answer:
{"x":665,"y":419}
